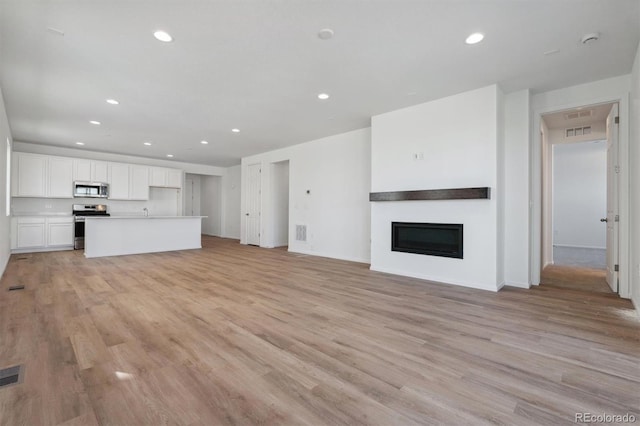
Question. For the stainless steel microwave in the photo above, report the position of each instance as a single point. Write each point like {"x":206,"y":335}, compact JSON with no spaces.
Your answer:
{"x":90,"y":190}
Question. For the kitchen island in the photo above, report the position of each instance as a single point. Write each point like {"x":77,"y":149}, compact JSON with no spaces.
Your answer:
{"x":120,"y":235}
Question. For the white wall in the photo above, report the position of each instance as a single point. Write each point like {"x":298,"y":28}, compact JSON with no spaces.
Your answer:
{"x":211,"y":205}
{"x":336,"y":172}
{"x":634,"y":161}
{"x":231,"y":190}
{"x":280,"y":203}
{"x":5,"y":221}
{"x":598,"y":92}
{"x":580,"y":194}
{"x":458,"y":136}
{"x":516,"y":189}
{"x":500,"y":187}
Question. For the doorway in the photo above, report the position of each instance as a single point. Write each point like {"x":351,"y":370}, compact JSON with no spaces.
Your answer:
{"x":579,"y":198}
{"x":280,"y":204}
{"x":203,"y":197}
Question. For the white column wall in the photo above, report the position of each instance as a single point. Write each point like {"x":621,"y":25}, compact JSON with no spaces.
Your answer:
{"x":516,"y":189}
{"x":458,"y":138}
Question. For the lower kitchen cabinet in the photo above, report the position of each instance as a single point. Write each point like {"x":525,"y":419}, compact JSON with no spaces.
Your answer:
{"x":39,"y":233}
{"x":59,"y":231}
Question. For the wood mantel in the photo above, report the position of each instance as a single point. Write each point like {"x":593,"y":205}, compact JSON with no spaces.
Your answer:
{"x":433,"y":194}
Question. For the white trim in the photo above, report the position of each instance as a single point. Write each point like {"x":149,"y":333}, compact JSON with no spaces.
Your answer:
{"x":584,"y":247}
{"x":518,"y":285}
{"x":435,"y":280}
{"x":535,"y":173}
{"x":330,"y":256}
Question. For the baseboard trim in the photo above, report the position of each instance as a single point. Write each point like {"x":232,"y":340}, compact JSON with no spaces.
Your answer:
{"x":330,"y":256}
{"x":580,"y":247}
{"x":437,"y":280}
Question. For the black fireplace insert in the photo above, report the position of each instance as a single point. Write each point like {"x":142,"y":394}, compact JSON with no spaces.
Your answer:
{"x":434,"y":239}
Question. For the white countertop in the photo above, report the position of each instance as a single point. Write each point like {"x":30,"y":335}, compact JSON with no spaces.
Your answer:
{"x":44,"y":214}
{"x":143,"y":217}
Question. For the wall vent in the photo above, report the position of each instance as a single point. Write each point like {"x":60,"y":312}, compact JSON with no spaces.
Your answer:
{"x":301,"y":232}
{"x":11,"y":376}
{"x":577,"y":131}
{"x":578,"y":114}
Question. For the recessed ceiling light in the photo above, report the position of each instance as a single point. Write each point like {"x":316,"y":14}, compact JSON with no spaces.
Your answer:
{"x":323,"y":96}
{"x":112,"y":102}
{"x":79,"y":143}
{"x":147,"y":143}
{"x":325,"y":34}
{"x":204,"y":142}
{"x":474,"y":38}
{"x":163,"y":36}
{"x":97,"y":123}
{"x":170,"y":155}
{"x":235,"y":130}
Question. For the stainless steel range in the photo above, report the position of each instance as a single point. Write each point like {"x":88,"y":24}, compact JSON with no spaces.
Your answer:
{"x":80,"y":212}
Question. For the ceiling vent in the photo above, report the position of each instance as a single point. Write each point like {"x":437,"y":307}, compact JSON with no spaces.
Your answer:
{"x":578,"y":114}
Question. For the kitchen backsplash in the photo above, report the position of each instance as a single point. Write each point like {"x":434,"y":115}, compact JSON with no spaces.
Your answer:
{"x":162,"y":202}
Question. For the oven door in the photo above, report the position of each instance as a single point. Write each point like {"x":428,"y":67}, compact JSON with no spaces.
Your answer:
{"x":78,"y":236}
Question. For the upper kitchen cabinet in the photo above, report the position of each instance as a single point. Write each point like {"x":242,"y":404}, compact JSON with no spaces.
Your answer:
{"x":90,"y":170}
{"x":139,"y":184}
{"x":165,"y":178}
{"x":60,"y":182}
{"x":35,"y":175}
{"x":128,"y":182}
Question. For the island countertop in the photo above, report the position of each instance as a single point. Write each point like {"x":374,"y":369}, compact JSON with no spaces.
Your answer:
{"x":120,"y":235}
{"x":142,"y":217}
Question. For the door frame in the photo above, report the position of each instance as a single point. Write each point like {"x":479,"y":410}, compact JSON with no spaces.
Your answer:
{"x":535,"y":186}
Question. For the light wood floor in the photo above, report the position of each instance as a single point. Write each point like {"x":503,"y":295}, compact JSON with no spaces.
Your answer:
{"x":235,"y":334}
{"x":576,"y":278}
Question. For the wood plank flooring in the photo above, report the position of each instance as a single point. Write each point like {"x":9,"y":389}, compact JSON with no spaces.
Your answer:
{"x":235,"y":334}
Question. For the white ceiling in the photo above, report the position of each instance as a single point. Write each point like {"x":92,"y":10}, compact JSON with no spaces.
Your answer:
{"x":258,"y":65}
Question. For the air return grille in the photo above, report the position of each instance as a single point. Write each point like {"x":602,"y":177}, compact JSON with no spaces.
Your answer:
{"x":301,"y":232}
{"x":11,"y":376}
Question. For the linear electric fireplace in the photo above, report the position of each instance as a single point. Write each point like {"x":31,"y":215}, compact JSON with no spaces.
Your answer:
{"x":435,"y":239}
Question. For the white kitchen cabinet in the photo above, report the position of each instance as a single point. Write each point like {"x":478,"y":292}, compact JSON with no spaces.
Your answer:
{"x":81,"y":170}
{"x":28,"y":175}
{"x":59,"y":231}
{"x":99,"y":171}
{"x":165,"y":178}
{"x":60,"y":177}
{"x":30,"y":232}
{"x":128,"y":182}
{"x":174,"y":178}
{"x":39,"y":233}
{"x":118,"y":181}
{"x":138,"y":182}
{"x":35,"y":175}
{"x":90,"y":170}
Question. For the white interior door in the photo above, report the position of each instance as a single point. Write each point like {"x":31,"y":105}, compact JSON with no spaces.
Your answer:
{"x":252,"y":215}
{"x":612,"y":198}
